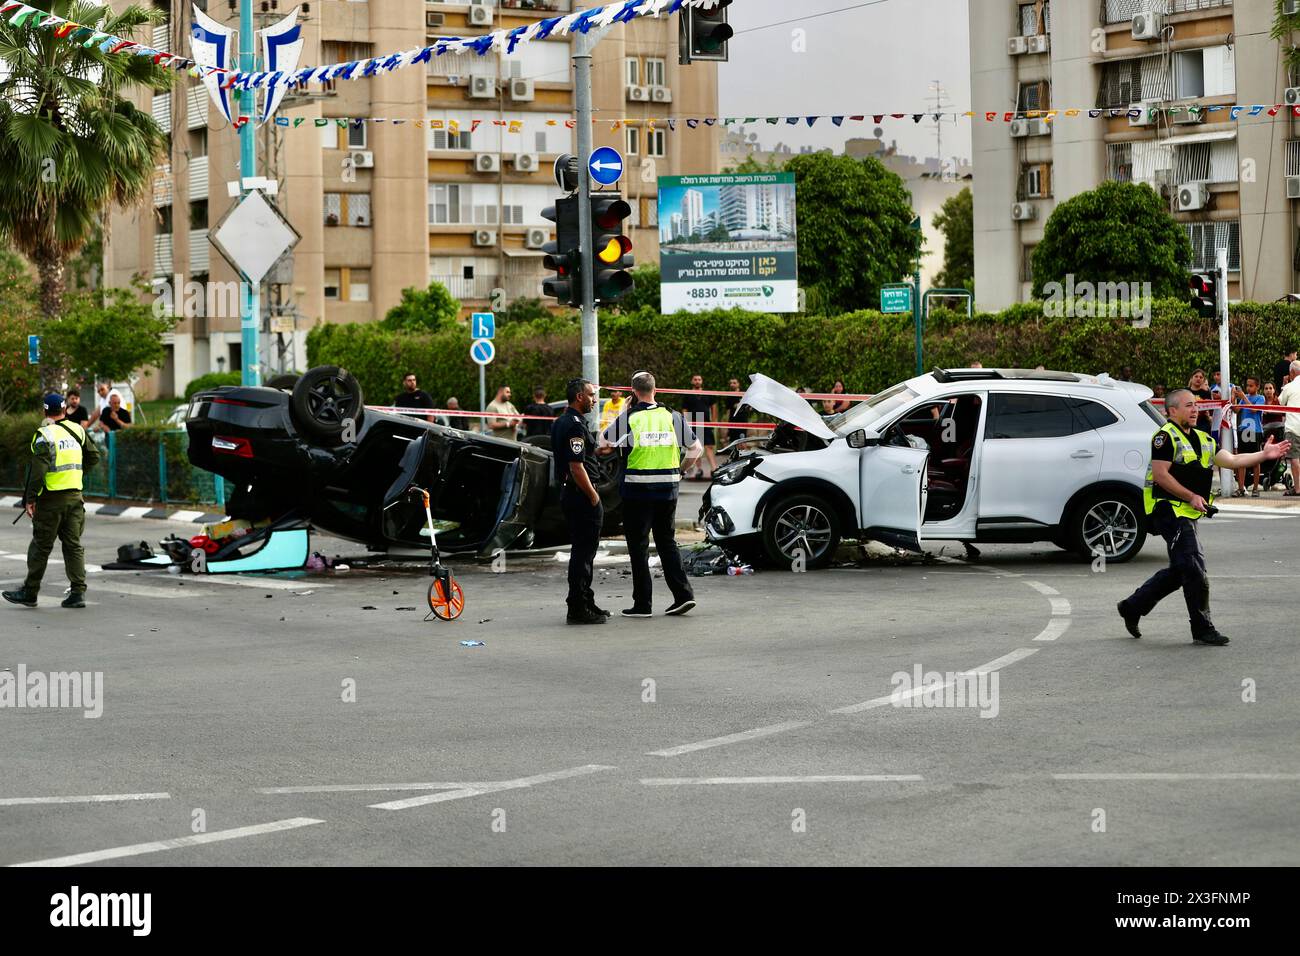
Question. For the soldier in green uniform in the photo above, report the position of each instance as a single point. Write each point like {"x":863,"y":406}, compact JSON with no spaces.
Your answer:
{"x":60,"y":453}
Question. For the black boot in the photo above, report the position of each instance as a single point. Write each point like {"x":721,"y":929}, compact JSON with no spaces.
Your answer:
{"x":1130,"y":619}
{"x":1211,"y":637}
{"x":74,"y":599}
{"x":22,"y":596}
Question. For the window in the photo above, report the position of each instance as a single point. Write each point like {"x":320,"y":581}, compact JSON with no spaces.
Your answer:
{"x":351,"y":209}
{"x":1206,"y":162}
{"x":164,"y":219}
{"x":358,"y":209}
{"x":1208,"y":72}
{"x":654,"y":142}
{"x":656,"y":72}
{"x":445,"y":139}
{"x":467,"y":271}
{"x":332,"y":284}
{"x":650,"y":213}
{"x":1035,"y":96}
{"x":539,"y":143}
{"x":358,"y":285}
{"x":1127,"y":82}
{"x":1029,"y":25}
{"x":357,"y":136}
{"x":633,"y":71}
{"x":1207,"y":238}
{"x":333,"y":208}
{"x":1029,"y":416}
{"x":199,"y":214}
{"x":198,"y":142}
{"x":633,"y":141}
{"x":1036,"y":181}
{"x":1090,"y":414}
{"x":1027,"y":264}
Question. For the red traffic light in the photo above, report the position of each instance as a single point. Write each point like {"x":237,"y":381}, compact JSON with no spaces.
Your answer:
{"x":608,"y":214}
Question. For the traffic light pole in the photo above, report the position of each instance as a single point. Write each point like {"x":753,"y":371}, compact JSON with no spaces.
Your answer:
{"x":1226,"y":475}
{"x":583,"y":45}
{"x":250,"y":320}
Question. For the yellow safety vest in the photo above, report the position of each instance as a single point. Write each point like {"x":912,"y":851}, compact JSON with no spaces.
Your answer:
{"x":66,"y":438}
{"x":1183,"y":454}
{"x":654,"y":463}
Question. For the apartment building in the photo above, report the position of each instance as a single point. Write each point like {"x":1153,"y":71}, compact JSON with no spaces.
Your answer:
{"x":380,"y":206}
{"x":1227,"y":182}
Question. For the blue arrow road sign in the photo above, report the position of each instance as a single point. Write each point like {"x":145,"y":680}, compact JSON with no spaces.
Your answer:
{"x":606,"y":166}
{"x":33,"y":350}
{"x":483,"y":351}
{"x":484,"y":325}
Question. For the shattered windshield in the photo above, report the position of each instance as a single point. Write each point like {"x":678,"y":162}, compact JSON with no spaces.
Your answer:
{"x":866,"y":414}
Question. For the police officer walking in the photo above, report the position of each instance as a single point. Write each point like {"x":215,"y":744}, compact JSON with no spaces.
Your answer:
{"x":60,"y":452}
{"x":1177,"y":495}
{"x":574,"y":448}
{"x":652,"y":438}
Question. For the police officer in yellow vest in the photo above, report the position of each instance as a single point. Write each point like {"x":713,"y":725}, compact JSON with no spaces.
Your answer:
{"x":653,"y":439}
{"x":60,"y":455}
{"x":1177,"y":494}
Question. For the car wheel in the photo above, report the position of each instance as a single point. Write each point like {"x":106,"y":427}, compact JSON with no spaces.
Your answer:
{"x":802,"y":525}
{"x":284,"y":383}
{"x":1108,"y":524}
{"x":324,"y":400}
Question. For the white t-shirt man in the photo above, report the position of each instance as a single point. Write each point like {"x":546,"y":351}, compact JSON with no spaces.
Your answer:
{"x":1291,"y":396}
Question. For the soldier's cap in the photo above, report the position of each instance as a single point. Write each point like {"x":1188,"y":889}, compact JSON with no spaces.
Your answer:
{"x":54,"y":403}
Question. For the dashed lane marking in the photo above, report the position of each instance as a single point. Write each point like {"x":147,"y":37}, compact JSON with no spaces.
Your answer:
{"x":496,"y":787}
{"x":731,"y":738}
{"x":1178,"y":777}
{"x":826,"y":778}
{"x":1055,"y":628}
{"x":159,"y":846}
{"x":890,"y":699}
{"x":88,"y":798}
{"x":371,"y":787}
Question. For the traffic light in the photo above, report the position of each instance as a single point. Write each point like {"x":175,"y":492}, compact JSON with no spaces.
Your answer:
{"x":611,"y":250}
{"x":705,"y":33}
{"x":1205,"y":295}
{"x":563,"y":256}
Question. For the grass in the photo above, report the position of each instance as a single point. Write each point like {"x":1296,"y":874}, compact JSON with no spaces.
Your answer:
{"x":156,"y":410}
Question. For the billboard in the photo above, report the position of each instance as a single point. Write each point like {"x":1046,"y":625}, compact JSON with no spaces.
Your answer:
{"x":728,"y":241}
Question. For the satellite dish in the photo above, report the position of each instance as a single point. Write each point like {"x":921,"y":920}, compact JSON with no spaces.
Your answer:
{"x":878,"y":132}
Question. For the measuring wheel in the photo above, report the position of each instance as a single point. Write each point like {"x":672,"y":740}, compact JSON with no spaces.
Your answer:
{"x":443,"y":607}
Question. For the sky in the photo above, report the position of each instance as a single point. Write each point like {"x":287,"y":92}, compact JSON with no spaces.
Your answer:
{"x":873,"y":57}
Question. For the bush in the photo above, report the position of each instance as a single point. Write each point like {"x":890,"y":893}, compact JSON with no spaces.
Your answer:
{"x":16,"y":448}
{"x":211,"y":380}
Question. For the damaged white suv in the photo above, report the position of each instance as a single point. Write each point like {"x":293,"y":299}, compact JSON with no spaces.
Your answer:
{"x":979,"y":455}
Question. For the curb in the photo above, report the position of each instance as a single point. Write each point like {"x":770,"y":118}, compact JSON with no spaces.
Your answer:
{"x":101,"y":510}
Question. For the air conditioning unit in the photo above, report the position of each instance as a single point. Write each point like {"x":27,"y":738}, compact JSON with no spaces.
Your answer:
{"x":1145,"y":117}
{"x":433,"y":20}
{"x":1193,"y":196}
{"x":484,"y":237}
{"x":1024,"y":212}
{"x":1186,"y":117}
{"x":480,"y":16}
{"x":1029,"y":127}
{"x":1293,"y":187}
{"x":525,"y":162}
{"x":362,"y":159}
{"x":1017,"y":46}
{"x":537,"y":237}
{"x":522,"y":91}
{"x":487,"y":162}
{"x":1293,"y":93}
{"x":1148,"y":25}
{"x":638,"y":94}
{"x":482,"y":87}
{"x":661,"y":94}
{"x":1040,"y":44}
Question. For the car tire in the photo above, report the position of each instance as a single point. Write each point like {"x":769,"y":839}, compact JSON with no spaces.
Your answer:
{"x":284,"y":383}
{"x":323,"y":400}
{"x":801,"y":520}
{"x":1113,"y":521}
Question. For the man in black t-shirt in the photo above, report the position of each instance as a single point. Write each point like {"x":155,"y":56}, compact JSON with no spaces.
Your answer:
{"x":574,"y":449}
{"x":76,"y":412}
{"x":699,"y":409}
{"x":537,"y":409}
{"x":115,"y":415}
{"x":412,"y":396}
{"x":1177,"y":494}
{"x":1282,"y":369}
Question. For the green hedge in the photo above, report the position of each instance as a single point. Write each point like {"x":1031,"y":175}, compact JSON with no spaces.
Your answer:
{"x":211,"y":380}
{"x":870,"y":351}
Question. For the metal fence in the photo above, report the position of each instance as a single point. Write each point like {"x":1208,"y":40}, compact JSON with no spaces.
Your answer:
{"x":146,"y":465}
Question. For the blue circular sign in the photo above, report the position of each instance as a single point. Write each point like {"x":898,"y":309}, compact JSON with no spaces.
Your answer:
{"x":483,"y":352}
{"x":606,"y":166}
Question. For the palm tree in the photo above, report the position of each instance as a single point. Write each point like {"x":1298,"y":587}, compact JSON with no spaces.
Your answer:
{"x":71,"y":144}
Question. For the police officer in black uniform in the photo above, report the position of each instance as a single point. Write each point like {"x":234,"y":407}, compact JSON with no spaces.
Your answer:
{"x":574,"y":447}
{"x":1177,"y":495}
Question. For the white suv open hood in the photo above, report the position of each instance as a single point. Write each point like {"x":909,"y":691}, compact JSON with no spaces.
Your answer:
{"x":772,"y":398}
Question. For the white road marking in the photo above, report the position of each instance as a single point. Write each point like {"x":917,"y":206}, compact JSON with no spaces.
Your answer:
{"x":731,"y":738}
{"x":1060,"y":607}
{"x":996,"y":664}
{"x":186,"y":516}
{"x":157,"y":846}
{"x":1055,"y":628}
{"x":9,"y":501}
{"x":825,"y":778}
{"x":121,"y":587}
{"x":267,"y":584}
{"x":496,"y":787}
{"x":1287,"y":777}
{"x":89,"y":798}
{"x":365,"y":787}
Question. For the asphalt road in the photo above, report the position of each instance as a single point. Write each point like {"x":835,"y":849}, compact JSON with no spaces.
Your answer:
{"x":758,"y":729}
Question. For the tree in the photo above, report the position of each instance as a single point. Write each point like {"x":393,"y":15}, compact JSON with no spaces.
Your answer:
{"x":523,"y":310}
{"x":854,"y":229}
{"x":1118,"y":232}
{"x":424,"y":310}
{"x":19,"y":381}
{"x":107,"y":334}
{"x":956,"y":220}
{"x":72,"y":142}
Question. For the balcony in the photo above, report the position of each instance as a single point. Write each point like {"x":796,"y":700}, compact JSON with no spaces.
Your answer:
{"x":480,"y":288}
{"x":1123,"y":11}
{"x":198,"y":250}
{"x":198,"y":178}
{"x":162,"y":254}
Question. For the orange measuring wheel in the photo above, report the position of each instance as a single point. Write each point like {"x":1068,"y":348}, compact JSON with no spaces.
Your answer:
{"x":443,"y":607}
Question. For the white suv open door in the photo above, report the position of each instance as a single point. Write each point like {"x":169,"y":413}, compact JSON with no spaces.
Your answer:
{"x":893,"y":493}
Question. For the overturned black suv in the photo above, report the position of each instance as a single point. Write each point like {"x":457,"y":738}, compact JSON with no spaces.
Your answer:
{"x":311,"y":448}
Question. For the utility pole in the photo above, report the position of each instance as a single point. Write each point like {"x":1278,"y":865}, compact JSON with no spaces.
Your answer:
{"x":1226,"y":475}
{"x":584,"y":43}
{"x":250,"y":319}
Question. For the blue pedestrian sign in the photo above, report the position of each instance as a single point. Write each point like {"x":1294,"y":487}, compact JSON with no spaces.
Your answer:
{"x":484,"y":325}
{"x":483,"y":351}
{"x":606,"y":166}
{"x":33,"y":350}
